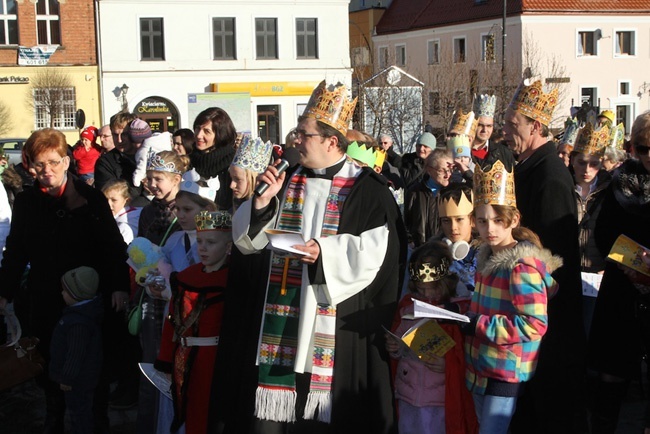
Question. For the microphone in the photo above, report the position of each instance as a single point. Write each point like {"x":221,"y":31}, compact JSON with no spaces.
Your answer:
{"x":290,"y":158}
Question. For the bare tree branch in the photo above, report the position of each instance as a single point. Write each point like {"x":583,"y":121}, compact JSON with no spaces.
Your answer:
{"x":5,"y":118}
{"x":46,"y":92}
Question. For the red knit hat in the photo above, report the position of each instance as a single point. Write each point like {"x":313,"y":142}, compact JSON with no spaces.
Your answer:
{"x":89,"y":133}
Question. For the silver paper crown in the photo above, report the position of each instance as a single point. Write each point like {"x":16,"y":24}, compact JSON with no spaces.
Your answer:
{"x":571,"y":130}
{"x":156,"y":163}
{"x":190,"y":183}
{"x":253,"y":154}
{"x":485,"y":105}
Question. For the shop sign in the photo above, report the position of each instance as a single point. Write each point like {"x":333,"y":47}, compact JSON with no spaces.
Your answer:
{"x":12,"y":79}
{"x":149,"y":106}
{"x":272,"y":88}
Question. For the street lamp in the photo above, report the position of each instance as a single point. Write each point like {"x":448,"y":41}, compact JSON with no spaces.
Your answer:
{"x":124,"y":90}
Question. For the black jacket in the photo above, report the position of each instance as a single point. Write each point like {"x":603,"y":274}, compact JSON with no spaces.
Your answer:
{"x":412,"y":169}
{"x":117,"y":165}
{"x":76,"y":349}
{"x":496,"y":151}
{"x":420,"y":213}
{"x":592,"y":260}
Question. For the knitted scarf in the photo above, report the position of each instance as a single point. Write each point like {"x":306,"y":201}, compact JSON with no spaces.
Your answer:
{"x":276,"y":393}
{"x":632,"y":187}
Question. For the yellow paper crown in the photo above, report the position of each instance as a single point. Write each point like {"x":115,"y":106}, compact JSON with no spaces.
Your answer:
{"x":531,"y":101}
{"x":447,"y":206}
{"x":592,"y":141}
{"x":427,"y":272}
{"x":213,"y":221}
{"x":380,"y":157}
{"x":331,"y":107}
{"x":463,"y":123}
{"x":494,"y":187}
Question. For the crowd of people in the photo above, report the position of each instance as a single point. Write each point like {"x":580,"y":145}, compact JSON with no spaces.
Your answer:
{"x":283,"y":282}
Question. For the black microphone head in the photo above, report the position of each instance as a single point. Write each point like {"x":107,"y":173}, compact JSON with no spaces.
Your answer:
{"x":291,"y":156}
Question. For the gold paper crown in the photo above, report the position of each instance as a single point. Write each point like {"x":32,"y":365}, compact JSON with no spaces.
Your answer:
{"x":463,"y":123}
{"x":331,"y":107}
{"x":592,"y":141}
{"x":617,"y":136}
{"x":360,"y":153}
{"x":447,"y":206}
{"x":213,"y":221}
{"x":427,"y":272}
{"x":494,"y":187}
{"x":531,"y":101}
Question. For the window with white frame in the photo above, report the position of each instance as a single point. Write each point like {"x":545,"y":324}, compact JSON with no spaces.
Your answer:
{"x":400,"y":55}
{"x":487,"y":48}
{"x":152,"y":39}
{"x":54,"y":108}
{"x":587,"y":43}
{"x":223,"y":39}
{"x":433,"y":52}
{"x":8,"y":22}
{"x":383,"y":57}
{"x":459,"y":50}
{"x":589,"y":95}
{"x":624,"y":88}
{"x":307,"y":38}
{"x":48,"y":30}
{"x":624,"y":43}
{"x":266,"y":38}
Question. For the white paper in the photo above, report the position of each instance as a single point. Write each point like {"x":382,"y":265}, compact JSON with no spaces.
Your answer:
{"x":426,"y":310}
{"x":157,"y":378}
{"x":591,"y":284}
{"x":284,"y":240}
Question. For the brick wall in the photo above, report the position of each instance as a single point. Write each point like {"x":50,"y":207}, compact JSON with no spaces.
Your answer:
{"x":77,"y":22}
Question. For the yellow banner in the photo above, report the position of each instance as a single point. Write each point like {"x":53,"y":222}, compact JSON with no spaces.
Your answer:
{"x":272,"y":88}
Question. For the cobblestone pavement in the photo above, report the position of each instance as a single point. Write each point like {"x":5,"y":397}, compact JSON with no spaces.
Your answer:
{"x":22,"y":411}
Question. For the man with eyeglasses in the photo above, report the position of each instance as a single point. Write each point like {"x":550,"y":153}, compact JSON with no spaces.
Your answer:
{"x":342,"y":283}
{"x":106,"y":138}
{"x":485,"y":152}
{"x":386,"y":142}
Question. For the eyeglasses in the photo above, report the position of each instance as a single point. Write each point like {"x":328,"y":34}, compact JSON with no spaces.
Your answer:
{"x":594,"y":164}
{"x":641,"y":150}
{"x":303,"y":135}
{"x":40,"y":166}
{"x":105,"y":136}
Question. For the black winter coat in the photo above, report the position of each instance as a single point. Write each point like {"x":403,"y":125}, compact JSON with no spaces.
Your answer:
{"x":117,"y":165}
{"x":496,"y":151}
{"x":421,"y":213}
{"x":55,"y":235}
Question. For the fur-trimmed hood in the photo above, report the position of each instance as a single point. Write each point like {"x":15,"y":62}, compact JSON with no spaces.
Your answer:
{"x":524,"y":252}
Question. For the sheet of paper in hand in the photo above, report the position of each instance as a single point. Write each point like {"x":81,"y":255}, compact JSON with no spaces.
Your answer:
{"x":284,"y":240}
{"x":426,"y":310}
{"x":157,"y":378}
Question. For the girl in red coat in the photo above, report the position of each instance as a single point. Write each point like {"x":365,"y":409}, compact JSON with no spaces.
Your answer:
{"x":191,"y":333}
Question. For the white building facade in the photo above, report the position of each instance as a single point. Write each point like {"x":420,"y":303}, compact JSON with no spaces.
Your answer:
{"x":259,"y":60}
{"x":598,"y":57}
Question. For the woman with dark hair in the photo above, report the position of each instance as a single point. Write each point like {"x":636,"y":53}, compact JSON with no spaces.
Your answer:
{"x":214,"y":149}
{"x":60,"y":224}
{"x":183,"y":141}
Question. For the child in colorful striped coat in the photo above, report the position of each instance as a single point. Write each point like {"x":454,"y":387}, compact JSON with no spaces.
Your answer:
{"x":508,"y":308}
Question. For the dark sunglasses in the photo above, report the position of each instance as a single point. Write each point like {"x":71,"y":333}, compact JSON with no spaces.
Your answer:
{"x":642,"y":150}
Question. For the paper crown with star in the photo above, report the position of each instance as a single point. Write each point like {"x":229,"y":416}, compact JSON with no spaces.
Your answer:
{"x":571,"y":129}
{"x":448,"y":207}
{"x":463,"y":123}
{"x":213,"y":221}
{"x":530,"y":100}
{"x":592,"y":140}
{"x":617,"y":136}
{"x":428,"y":272}
{"x":253,"y":154}
{"x":158,"y":164}
{"x":192,"y":183}
{"x":359,"y":152}
{"x":485,"y":105}
{"x":331,"y":106}
{"x":495,"y":186}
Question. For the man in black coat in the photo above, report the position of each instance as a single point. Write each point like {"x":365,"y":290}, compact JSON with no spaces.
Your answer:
{"x":484,"y":151}
{"x":544,"y":191}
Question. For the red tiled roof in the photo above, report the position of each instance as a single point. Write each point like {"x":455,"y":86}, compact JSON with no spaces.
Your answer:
{"x":403,"y":15}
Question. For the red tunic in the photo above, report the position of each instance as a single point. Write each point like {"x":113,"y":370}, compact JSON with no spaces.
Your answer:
{"x":196,"y":310}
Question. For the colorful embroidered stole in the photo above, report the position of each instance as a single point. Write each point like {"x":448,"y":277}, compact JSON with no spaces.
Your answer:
{"x":276,"y":393}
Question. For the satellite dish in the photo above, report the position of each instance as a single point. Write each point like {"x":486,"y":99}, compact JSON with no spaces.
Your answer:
{"x":80,"y":119}
{"x":393,"y":77}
